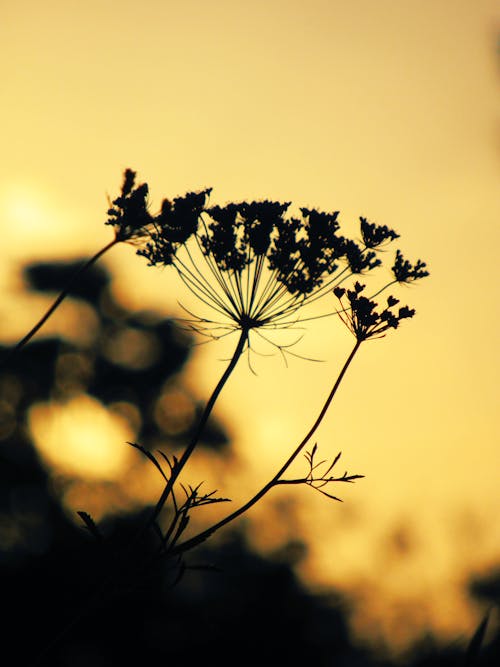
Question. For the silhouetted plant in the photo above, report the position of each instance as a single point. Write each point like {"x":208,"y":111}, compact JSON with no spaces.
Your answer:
{"x":254,"y":268}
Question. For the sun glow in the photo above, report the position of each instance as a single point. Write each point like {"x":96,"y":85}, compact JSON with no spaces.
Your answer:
{"x":24,"y":206}
{"x":39,"y":216}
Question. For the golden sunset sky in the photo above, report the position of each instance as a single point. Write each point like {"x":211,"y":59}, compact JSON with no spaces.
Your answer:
{"x":386,"y":109}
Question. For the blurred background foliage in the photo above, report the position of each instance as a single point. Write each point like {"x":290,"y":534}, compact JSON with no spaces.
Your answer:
{"x":232,"y":606}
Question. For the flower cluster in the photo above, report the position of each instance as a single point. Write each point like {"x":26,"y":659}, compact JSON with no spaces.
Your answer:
{"x":405,"y":272}
{"x":375,"y":235}
{"x":177,"y":221}
{"x":298,"y":253}
{"x":251,"y":263}
{"x":361,"y":316}
{"x":128,"y":213}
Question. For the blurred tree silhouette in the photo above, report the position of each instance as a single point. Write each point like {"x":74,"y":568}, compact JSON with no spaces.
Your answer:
{"x":131,"y":358}
{"x":254,"y":612}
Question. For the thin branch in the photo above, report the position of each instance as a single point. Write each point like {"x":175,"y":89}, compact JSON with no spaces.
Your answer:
{"x":201,"y":537}
{"x":16,"y":349}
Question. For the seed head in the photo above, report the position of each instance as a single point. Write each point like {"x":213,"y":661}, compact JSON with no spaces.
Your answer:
{"x":374,"y":235}
{"x":405,"y":272}
{"x":362,"y":317}
{"x":128,"y":213}
{"x":360,"y":260}
{"x":173,"y":227}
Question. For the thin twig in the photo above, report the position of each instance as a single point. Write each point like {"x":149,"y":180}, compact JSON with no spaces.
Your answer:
{"x":16,"y":349}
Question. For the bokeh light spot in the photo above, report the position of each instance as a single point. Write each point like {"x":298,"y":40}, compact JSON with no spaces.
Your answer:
{"x":174,"y":412}
{"x":81,"y":437}
{"x":132,"y":348}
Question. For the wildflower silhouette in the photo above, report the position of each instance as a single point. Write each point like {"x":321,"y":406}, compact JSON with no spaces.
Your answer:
{"x":254,"y":267}
{"x":366,"y":320}
{"x":251,"y":265}
{"x":302,"y":255}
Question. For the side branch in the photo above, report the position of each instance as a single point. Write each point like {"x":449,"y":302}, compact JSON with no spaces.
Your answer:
{"x":201,"y":537}
{"x":12,"y":353}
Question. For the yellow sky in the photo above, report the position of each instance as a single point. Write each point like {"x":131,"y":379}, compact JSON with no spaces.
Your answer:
{"x":386,"y":109}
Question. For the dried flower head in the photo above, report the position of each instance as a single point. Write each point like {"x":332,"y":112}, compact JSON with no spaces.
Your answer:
{"x":405,"y":272}
{"x":253,"y":265}
{"x":128,"y":213}
{"x":361,"y":316}
{"x":374,"y":235}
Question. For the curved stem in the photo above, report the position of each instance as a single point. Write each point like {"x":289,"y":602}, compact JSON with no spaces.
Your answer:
{"x":57,"y":302}
{"x":179,"y":465}
{"x":201,"y":537}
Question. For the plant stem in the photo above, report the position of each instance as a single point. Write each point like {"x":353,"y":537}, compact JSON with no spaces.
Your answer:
{"x":201,"y":537}
{"x":179,"y":465}
{"x":12,"y":353}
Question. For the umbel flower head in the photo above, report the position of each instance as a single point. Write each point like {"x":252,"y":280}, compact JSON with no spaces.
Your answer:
{"x":252,"y":264}
{"x":362,"y":317}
